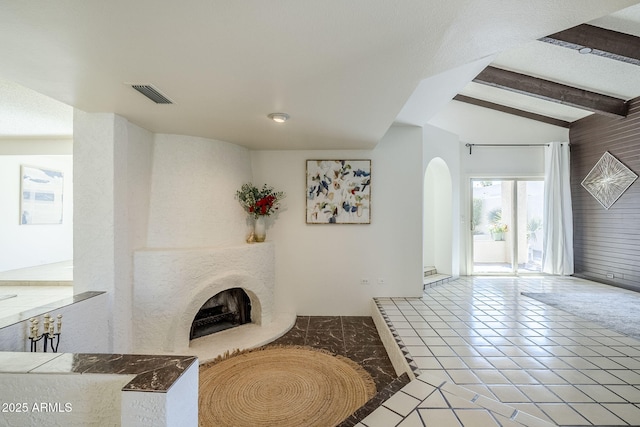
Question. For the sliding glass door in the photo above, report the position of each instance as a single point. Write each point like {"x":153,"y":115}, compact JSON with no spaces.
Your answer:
{"x":506,"y":225}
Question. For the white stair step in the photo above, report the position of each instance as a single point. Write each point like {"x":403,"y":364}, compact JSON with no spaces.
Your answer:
{"x":435,"y":279}
{"x":429,"y":271}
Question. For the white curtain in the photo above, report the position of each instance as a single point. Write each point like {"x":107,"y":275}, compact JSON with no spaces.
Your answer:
{"x":558,"y":217}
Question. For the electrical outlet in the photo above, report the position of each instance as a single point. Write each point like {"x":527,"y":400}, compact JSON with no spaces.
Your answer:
{"x":381,"y":281}
{"x":364,"y":281}
{"x":610,"y":276}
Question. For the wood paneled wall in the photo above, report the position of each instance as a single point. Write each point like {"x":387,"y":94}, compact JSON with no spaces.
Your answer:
{"x":606,"y":241}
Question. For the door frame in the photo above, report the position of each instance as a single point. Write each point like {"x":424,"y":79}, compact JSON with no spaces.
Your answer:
{"x":513,"y":220}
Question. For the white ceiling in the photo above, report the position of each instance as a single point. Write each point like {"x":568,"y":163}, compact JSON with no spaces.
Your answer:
{"x":343,"y":70}
{"x":569,"y":67}
{"x":25,"y":113}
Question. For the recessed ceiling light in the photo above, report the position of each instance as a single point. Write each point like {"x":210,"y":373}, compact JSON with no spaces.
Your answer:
{"x":279,"y":117}
{"x":585,"y":50}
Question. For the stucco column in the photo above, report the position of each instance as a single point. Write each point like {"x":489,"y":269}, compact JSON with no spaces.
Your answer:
{"x":100,"y":215}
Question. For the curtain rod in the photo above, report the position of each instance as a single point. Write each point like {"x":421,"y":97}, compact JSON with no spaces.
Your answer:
{"x":504,"y":145}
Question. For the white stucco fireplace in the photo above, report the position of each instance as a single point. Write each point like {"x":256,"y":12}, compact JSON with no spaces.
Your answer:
{"x":171,"y":285}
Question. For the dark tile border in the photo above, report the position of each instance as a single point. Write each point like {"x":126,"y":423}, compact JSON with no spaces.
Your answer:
{"x":403,"y":348}
{"x":376,"y":401}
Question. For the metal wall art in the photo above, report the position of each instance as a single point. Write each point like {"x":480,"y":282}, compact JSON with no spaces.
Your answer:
{"x":608,"y":180}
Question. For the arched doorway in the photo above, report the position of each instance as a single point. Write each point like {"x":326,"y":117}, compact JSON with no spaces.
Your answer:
{"x":438,"y":217}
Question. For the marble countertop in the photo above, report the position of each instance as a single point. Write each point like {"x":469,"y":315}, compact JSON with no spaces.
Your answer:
{"x":153,"y":373}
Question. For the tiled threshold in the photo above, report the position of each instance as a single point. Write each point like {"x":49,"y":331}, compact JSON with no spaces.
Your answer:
{"x":441,"y":402}
{"x":484,"y":355}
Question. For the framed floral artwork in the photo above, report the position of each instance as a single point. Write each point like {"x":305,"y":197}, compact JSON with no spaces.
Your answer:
{"x":338,"y":192}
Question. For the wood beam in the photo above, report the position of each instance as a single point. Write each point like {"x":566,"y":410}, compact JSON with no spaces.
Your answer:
{"x":552,"y":91}
{"x":513,"y":111}
{"x":602,"y":42}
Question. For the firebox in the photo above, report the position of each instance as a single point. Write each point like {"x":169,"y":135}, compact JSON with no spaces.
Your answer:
{"x":225,"y":310}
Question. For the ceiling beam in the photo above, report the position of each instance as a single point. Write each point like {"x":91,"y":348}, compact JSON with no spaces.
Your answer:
{"x":552,"y":91}
{"x":513,"y":111}
{"x":599,"y":41}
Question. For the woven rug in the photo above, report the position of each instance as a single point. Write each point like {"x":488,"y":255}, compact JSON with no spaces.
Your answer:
{"x":281,"y":386}
{"x":615,"y":310}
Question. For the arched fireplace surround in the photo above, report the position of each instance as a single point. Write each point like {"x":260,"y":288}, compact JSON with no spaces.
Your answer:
{"x":170,"y":286}
{"x":225,"y":310}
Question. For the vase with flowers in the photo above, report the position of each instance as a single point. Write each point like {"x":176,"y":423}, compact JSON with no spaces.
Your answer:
{"x":259,"y":203}
{"x":497,"y":230}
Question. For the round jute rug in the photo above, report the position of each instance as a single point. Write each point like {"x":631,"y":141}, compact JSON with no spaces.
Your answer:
{"x":283,"y":387}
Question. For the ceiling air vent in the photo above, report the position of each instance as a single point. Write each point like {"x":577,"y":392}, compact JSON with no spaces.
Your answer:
{"x":152,"y":93}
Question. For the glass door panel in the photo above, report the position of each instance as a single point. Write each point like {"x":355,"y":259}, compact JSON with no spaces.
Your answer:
{"x":507,"y":226}
{"x":491,"y":226}
{"x":530,"y":214}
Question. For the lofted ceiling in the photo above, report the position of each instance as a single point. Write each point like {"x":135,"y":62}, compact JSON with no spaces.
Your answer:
{"x":602,"y":79}
{"x":344,"y":70}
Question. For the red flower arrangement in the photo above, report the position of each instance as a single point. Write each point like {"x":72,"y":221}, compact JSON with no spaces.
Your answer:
{"x":259,"y":202}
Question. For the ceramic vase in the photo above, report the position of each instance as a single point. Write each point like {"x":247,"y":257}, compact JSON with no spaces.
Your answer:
{"x":260,"y":229}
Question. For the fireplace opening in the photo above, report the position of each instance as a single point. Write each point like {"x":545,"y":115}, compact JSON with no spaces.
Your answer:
{"x":225,"y":310}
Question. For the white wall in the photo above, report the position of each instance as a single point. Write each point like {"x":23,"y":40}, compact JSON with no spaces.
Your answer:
{"x":442,"y":244}
{"x":36,"y":147}
{"x":137,"y":190}
{"x":438,"y":221}
{"x":93,"y":399}
{"x":132,"y":186}
{"x":503,"y":162}
{"x":319,"y":267}
{"x":113,"y":173}
{"x":29,"y":245}
{"x":471,"y":124}
{"x":480,"y":125}
{"x":139,"y":169}
{"x":178,"y":407}
{"x":193,"y":193}
{"x":193,"y":183}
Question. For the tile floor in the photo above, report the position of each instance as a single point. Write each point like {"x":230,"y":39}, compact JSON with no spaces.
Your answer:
{"x":354,"y":337}
{"x":488,"y":356}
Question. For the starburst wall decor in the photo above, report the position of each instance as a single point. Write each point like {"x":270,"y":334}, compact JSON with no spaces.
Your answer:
{"x":608,"y":180}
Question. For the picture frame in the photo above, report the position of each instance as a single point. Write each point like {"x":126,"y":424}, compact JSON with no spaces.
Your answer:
{"x":338,"y":191}
{"x":41,"y":195}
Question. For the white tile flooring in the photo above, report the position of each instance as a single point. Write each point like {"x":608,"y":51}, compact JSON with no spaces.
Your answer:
{"x":488,"y":356}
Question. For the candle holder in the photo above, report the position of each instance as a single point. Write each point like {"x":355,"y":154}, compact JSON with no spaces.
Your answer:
{"x":50,"y":334}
